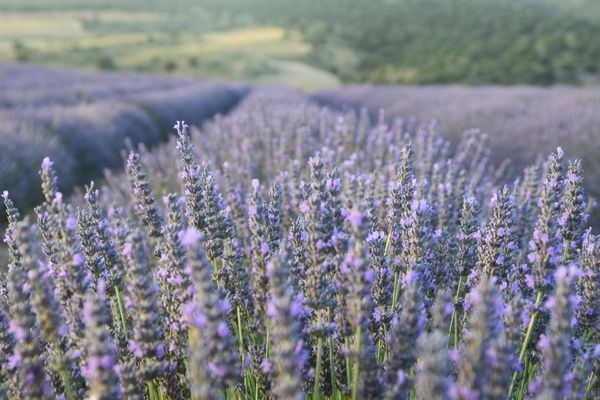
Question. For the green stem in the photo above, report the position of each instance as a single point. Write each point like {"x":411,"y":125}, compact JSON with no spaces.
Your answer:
{"x":396,"y":291}
{"x":454,"y":322}
{"x":388,"y":241}
{"x":240,"y":334}
{"x":65,"y":377}
{"x":152,"y":391}
{"x":384,"y":349}
{"x":331,"y":361}
{"x":268,"y":338}
{"x":121,"y":311}
{"x":454,"y":319}
{"x":538,"y":300}
{"x":318,"y":367}
{"x":523,"y":386}
{"x":348,"y":369}
{"x":589,"y":386}
{"x":356,"y":370}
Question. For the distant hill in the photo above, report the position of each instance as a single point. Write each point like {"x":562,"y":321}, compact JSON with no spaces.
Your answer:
{"x":467,"y":41}
{"x":538,"y":42}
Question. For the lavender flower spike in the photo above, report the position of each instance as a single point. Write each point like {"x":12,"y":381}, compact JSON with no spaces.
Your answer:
{"x":101,"y":363}
{"x":214,"y":359}
{"x":555,"y":345}
{"x":288,"y":355}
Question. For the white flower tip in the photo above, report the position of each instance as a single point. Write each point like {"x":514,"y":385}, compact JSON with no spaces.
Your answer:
{"x":181,"y":126}
{"x":47,"y":163}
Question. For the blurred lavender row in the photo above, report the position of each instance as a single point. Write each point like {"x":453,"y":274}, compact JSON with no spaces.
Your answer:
{"x":523,"y":123}
{"x":83,"y":119}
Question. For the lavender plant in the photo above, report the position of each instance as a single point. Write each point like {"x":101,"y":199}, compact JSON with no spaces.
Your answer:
{"x":101,"y":363}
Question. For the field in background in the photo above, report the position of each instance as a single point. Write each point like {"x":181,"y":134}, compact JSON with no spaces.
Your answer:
{"x":539,"y":42}
{"x":83,"y":120}
{"x":144,"y":42}
{"x":523,"y":122}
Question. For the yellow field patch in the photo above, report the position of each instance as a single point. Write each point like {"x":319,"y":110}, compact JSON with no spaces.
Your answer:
{"x":127,"y":16}
{"x":263,"y":41}
{"x":6,"y":50}
{"x":301,"y":75}
{"x":113,"y":40}
{"x":243,"y":37}
{"x":28,"y":25}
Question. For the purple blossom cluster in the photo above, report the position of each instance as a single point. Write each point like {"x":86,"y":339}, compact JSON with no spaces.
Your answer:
{"x":288,"y":251}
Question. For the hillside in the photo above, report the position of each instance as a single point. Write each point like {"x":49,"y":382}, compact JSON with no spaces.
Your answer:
{"x":538,"y":42}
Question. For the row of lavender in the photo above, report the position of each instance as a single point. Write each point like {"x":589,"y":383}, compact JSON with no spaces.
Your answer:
{"x":83,"y":119}
{"x":523,"y":122}
{"x":289,"y":252}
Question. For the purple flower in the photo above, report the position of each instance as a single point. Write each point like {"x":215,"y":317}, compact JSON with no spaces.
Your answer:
{"x":377,"y":315}
{"x":264,"y":248}
{"x":47,"y":163}
{"x":77,"y":259}
{"x":297,"y":307}
{"x":200,"y":320}
{"x":530,"y":281}
{"x":222,"y":329}
{"x":265,"y":366}
{"x":252,"y":211}
{"x":58,"y":198}
{"x":561,"y":273}
{"x":409,"y":277}
{"x":190,"y":236}
{"x":218,"y":370}
{"x":135,"y":348}
{"x":181,"y":127}
{"x":271,"y":309}
{"x":304,"y":208}
{"x":544,"y":344}
{"x":128,"y":249}
{"x":533,"y":257}
{"x":71,"y":223}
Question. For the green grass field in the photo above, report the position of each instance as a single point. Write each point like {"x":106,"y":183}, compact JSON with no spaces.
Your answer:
{"x":502,"y":42}
{"x":139,"y":42}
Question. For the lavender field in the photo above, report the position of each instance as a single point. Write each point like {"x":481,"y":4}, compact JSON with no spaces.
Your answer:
{"x":290,"y":251}
{"x":522,"y":123}
{"x":84,"y":119}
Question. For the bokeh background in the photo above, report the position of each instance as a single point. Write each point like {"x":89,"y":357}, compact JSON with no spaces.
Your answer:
{"x":315,"y":43}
